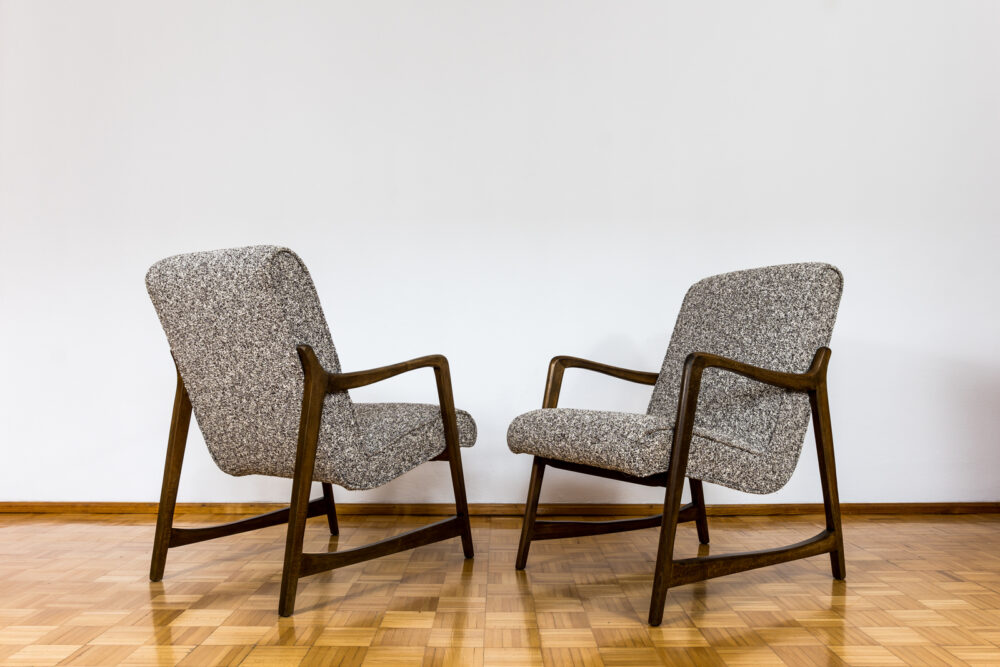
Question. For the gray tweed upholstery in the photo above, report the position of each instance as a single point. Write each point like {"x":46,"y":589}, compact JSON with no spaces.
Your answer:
{"x":747,"y":435}
{"x":233,"y":319}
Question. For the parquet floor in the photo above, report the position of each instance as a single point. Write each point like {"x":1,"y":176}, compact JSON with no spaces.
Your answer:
{"x":921,"y":590}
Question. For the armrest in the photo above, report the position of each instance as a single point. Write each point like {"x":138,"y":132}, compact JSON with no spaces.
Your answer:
{"x":319,"y":382}
{"x":343,"y":381}
{"x":559,"y":364}
{"x":803,"y":382}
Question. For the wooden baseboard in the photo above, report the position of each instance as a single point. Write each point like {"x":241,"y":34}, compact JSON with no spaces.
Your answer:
{"x":502,"y":509}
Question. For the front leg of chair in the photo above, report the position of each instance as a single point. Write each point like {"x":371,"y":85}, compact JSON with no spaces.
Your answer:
{"x":180,"y":423}
{"x":461,"y":502}
{"x":828,"y":475}
{"x":665,"y":550}
{"x":446,"y":400}
{"x":314,"y":391}
{"x":530,"y":511}
{"x":686,"y":405}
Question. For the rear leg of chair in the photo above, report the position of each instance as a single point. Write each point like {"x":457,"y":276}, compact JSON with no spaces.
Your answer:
{"x":176,"y":442}
{"x":701,"y":517}
{"x":530,"y":512}
{"x":331,"y":509}
{"x":828,"y":476}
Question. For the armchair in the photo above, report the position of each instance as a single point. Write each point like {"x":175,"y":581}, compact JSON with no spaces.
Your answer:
{"x":745,"y":368}
{"x":257,"y":366}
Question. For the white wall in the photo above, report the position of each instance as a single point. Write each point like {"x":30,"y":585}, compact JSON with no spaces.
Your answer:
{"x":501,"y":182}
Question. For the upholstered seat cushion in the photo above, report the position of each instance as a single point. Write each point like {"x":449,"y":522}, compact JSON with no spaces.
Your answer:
{"x":630,"y":443}
{"x":638,"y":445}
{"x":395,"y":438}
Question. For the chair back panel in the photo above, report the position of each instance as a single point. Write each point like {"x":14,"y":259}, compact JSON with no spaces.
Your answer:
{"x":233,"y":319}
{"x":774,"y":317}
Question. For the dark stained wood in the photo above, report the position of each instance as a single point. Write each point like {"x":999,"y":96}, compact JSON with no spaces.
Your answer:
{"x":442,"y":376}
{"x":687,"y":402}
{"x":313,"y":563}
{"x":669,"y":572}
{"x":180,"y":421}
{"x":550,"y":530}
{"x":530,"y":511}
{"x":344,"y":381}
{"x":698,"y":500}
{"x":313,"y":393}
{"x":689,"y":570}
{"x":331,"y":508}
{"x":181,"y":536}
{"x":559,"y":364}
{"x":802,"y":382}
{"x":828,"y":475}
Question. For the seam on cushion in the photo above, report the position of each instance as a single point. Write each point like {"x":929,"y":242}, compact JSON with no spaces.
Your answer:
{"x":414,"y":431}
{"x":658,"y":429}
{"x":706,"y":436}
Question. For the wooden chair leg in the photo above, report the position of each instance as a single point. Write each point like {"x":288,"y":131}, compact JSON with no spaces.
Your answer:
{"x":461,"y":502}
{"x":665,"y":550}
{"x":305,"y":462}
{"x":453,"y":451}
{"x":180,"y":422}
{"x":828,"y":476}
{"x":530,"y":512}
{"x":331,"y":508}
{"x":701,"y":517}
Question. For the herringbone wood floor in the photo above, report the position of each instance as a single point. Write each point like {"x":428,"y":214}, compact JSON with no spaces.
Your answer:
{"x":921,"y":590}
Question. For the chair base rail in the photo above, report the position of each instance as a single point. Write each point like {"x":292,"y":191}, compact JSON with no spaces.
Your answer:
{"x":690,"y":570}
{"x":554,"y":530}
{"x":314,"y":563}
{"x":181,"y":536}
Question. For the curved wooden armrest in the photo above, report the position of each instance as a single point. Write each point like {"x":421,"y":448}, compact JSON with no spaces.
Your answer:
{"x":807,"y":381}
{"x":319,"y":382}
{"x":343,"y":381}
{"x":559,"y":364}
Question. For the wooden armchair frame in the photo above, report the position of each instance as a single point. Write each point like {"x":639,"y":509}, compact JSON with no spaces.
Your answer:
{"x":318,"y":383}
{"x":669,"y":572}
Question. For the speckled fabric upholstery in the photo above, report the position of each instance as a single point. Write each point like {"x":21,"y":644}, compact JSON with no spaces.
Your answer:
{"x":747,"y":436}
{"x":637,"y":444}
{"x":233,"y":319}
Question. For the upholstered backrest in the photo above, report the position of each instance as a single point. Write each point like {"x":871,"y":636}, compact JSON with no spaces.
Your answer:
{"x":773,"y":317}
{"x":233,"y":319}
